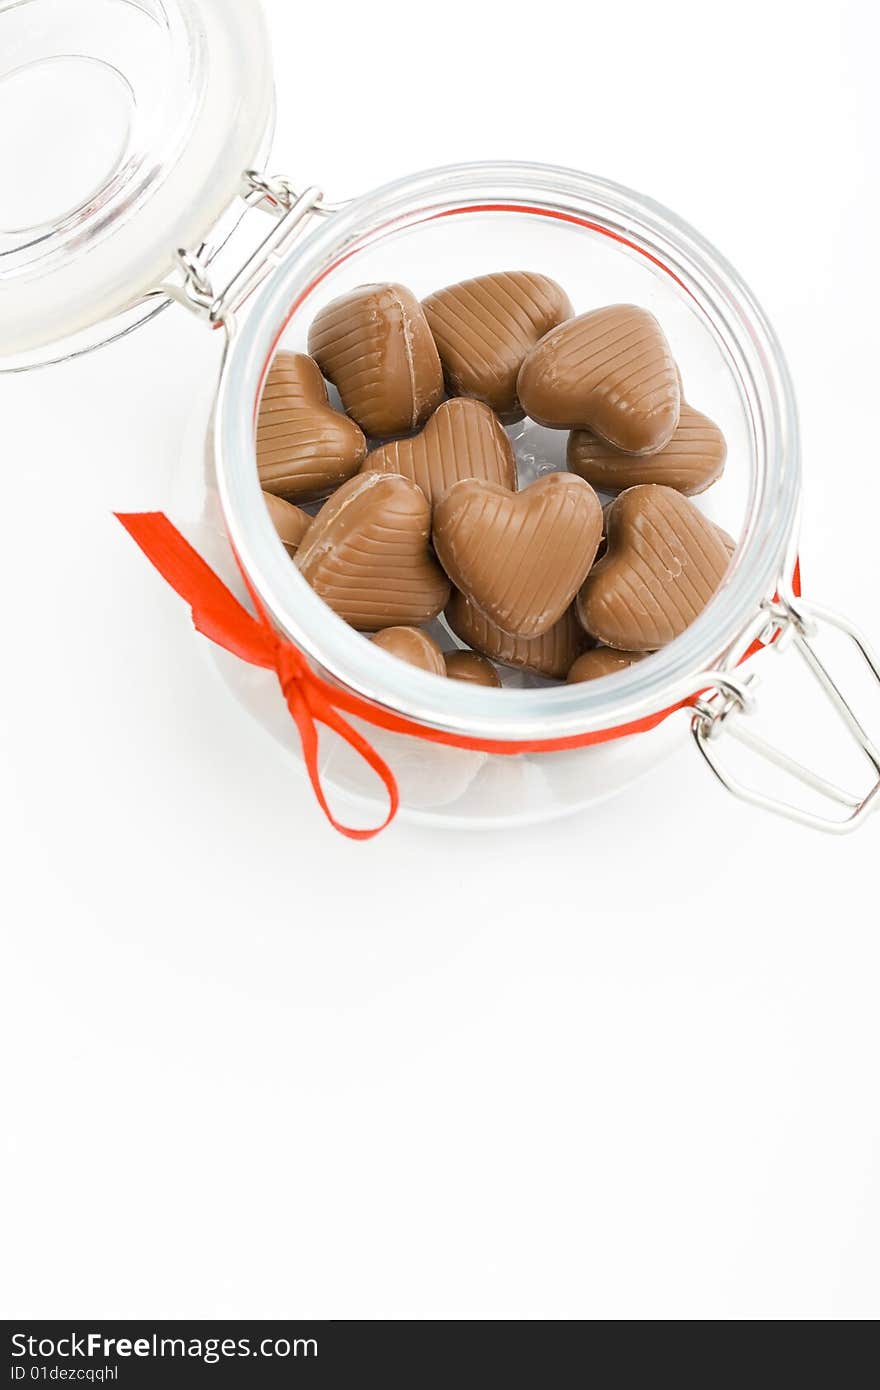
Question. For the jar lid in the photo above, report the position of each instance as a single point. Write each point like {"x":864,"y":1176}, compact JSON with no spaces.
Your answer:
{"x":133,"y":123}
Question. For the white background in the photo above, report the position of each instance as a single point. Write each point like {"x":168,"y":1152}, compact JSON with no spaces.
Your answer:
{"x":625,"y":1065}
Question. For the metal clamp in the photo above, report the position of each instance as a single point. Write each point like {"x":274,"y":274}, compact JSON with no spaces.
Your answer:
{"x":198,"y":293}
{"x":793,"y":624}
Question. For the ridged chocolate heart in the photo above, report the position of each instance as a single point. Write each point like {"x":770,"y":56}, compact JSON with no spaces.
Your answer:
{"x":727,"y":541}
{"x":601,"y":661}
{"x":484,"y":329}
{"x":520,"y":557}
{"x":610,"y":371}
{"x":664,"y":562}
{"x":305,"y":449}
{"x":462,"y":439}
{"x":367,"y":554}
{"x":413,"y":646}
{"x":691,"y":462}
{"x":375,"y":345}
{"x":550,"y":655}
{"x":289,"y":521}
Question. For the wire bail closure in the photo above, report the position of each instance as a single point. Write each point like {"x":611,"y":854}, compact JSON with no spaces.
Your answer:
{"x":275,"y":195}
{"x":794,"y":625}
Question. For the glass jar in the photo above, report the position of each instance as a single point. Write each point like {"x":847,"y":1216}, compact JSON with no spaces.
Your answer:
{"x":470,"y":755}
{"x":605,"y":244}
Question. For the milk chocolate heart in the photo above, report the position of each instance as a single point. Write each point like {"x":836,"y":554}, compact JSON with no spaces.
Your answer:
{"x":520,"y":557}
{"x":304,"y":448}
{"x":610,"y":371}
{"x":289,"y":521}
{"x":727,"y":541}
{"x":413,"y":646}
{"x":462,"y":439}
{"x":367,"y":554}
{"x":691,"y":461}
{"x":375,"y":345}
{"x":471,"y":667}
{"x":550,"y":655}
{"x":601,"y":661}
{"x":664,"y":562}
{"x":484,"y":329}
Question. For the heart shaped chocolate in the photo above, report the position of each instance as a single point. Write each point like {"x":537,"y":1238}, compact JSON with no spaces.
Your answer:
{"x":413,"y":646}
{"x":367,"y":554}
{"x":305,"y":449}
{"x":691,"y":462}
{"x":471,"y":667}
{"x":601,"y":661}
{"x":520,"y":557}
{"x":664,"y":562}
{"x":484,"y":329}
{"x":550,"y":655}
{"x":289,"y":521}
{"x":727,"y":541}
{"x":375,"y":345}
{"x":462,"y":439}
{"x":610,"y":371}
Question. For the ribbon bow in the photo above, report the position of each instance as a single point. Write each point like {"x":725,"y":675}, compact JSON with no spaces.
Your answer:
{"x":217,"y":613}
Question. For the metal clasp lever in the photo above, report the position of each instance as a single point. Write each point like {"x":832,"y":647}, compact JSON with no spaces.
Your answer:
{"x":290,"y":209}
{"x":728,"y":696}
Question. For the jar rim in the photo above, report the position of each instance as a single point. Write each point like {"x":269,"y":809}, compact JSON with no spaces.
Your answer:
{"x":745,"y":337}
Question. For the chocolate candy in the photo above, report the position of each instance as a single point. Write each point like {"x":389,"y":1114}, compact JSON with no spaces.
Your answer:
{"x":551,"y":654}
{"x":691,"y":461}
{"x":471,"y":667}
{"x":367,"y":554}
{"x":375,"y":345}
{"x":601,"y":661}
{"x":727,"y":540}
{"x":484,"y":329}
{"x":520,"y":557}
{"x":289,"y":521}
{"x":610,"y":371}
{"x":412,"y":645}
{"x":304,"y":448}
{"x":664,"y":562}
{"x":462,"y":439}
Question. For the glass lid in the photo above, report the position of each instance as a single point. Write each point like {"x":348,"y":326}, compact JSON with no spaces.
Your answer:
{"x":133,"y":123}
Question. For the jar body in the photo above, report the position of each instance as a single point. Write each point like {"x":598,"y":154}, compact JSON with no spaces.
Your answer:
{"x":604,"y":245}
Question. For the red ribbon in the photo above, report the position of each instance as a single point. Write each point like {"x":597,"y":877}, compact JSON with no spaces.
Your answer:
{"x":311,"y":700}
{"x":217,"y":613}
